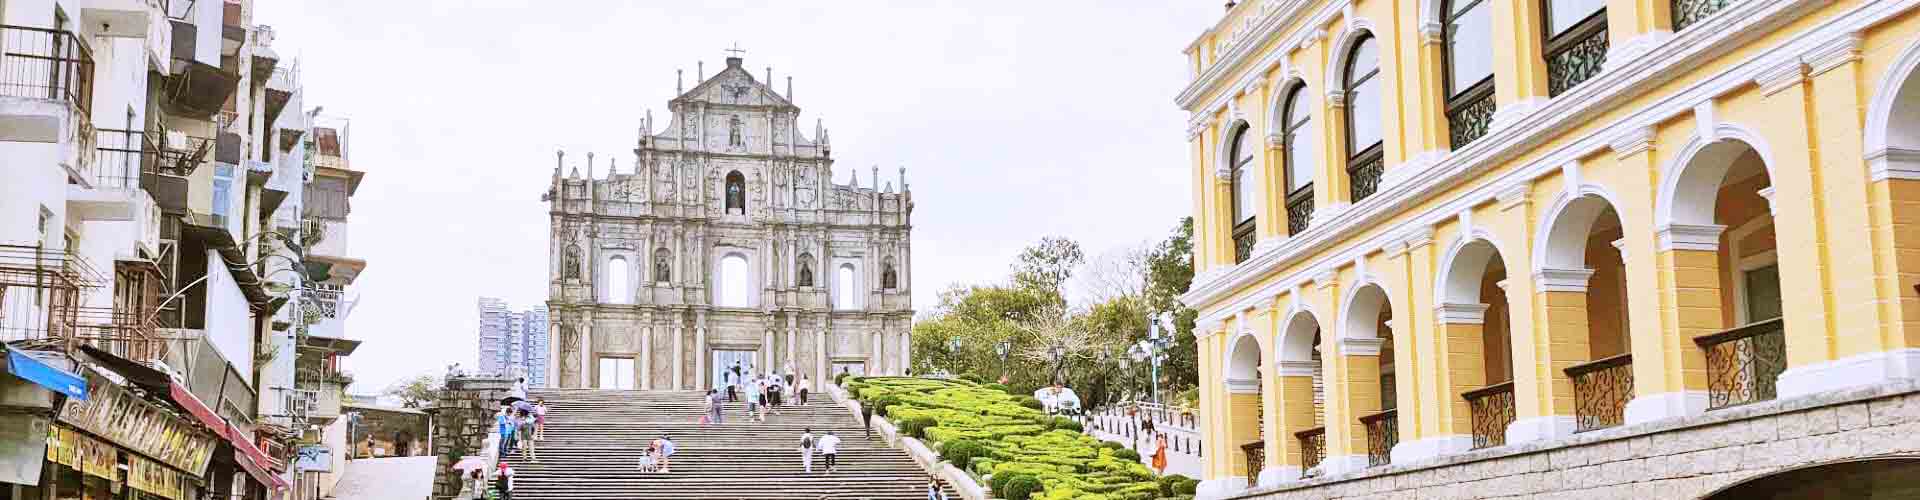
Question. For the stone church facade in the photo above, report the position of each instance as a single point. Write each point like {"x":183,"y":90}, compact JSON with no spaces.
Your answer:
{"x":729,"y":243}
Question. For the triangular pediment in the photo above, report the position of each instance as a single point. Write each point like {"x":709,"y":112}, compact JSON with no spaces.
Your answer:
{"x":735,"y":86}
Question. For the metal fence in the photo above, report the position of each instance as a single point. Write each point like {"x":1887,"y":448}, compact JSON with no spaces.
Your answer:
{"x":45,"y":63}
{"x":1313,"y":447}
{"x":1744,"y":363}
{"x":1601,"y":390}
{"x":1493,"y":410}
{"x":1383,"y":432}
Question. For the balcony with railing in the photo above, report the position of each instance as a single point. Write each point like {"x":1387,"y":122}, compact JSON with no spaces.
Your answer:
{"x":1601,"y":390}
{"x":40,"y":293}
{"x":1364,"y":177}
{"x":1492,"y":411}
{"x":125,"y":333}
{"x":1744,"y":363}
{"x":1577,"y":55}
{"x":1256,"y":455}
{"x":326,"y":398}
{"x":1313,"y":447}
{"x":1689,"y":12}
{"x":1383,"y":432}
{"x":46,"y":63}
{"x":1299,"y":209}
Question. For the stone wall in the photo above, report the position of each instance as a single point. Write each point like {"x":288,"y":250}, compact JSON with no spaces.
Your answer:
{"x":462,"y":421}
{"x":1681,"y":458}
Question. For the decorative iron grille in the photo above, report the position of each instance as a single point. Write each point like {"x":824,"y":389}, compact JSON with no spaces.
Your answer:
{"x":1383,"y":431}
{"x":1688,"y":12}
{"x":1577,"y":60}
{"x":1601,"y":390}
{"x":1313,"y":447}
{"x":1299,"y":209}
{"x":45,"y":63}
{"x":1470,"y":119}
{"x":1365,"y":178}
{"x":1256,"y":457}
{"x":1744,"y":363}
{"x":1242,"y":246}
{"x":1492,"y":408}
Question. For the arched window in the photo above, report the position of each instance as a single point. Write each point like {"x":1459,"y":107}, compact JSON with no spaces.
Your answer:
{"x":734,"y":282}
{"x":806,"y":270}
{"x":1576,"y":35}
{"x":888,"y":279}
{"x":1300,"y":159}
{"x":1244,"y":192}
{"x":846,"y":288}
{"x":736,"y":193}
{"x":662,"y":265}
{"x":1364,"y":141}
{"x":1469,"y":62}
{"x":618,"y":292}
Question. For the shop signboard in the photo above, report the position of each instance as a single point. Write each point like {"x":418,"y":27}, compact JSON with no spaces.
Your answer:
{"x":159,"y":480}
{"x":313,"y":458}
{"x":139,"y":426}
{"x":69,"y":447}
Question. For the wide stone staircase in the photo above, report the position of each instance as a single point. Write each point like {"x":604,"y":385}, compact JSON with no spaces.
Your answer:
{"x":594,"y":438}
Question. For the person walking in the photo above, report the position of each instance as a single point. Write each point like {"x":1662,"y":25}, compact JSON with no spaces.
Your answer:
{"x":733,"y":386}
{"x":790,"y":372}
{"x":525,"y":434}
{"x":713,"y":408}
{"x":540,"y":420}
{"x":753,"y":401}
{"x":1160,"y":454}
{"x":830,"y":447}
{"x":504,"y":425}
{"x":866,"y":419}
{"x":1146,"y":427}
{"x":806,"y":450}
{"x":933,"y":488}
{"x":773,"y":394}
{"x":665,"y":447}
{"x":504,"y":482}
{"x":802,"y":389}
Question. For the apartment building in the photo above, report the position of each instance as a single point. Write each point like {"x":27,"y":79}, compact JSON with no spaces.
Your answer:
{"x":513,"y":342}
{"x":1562,"y":248}
{"x":156,"y":252}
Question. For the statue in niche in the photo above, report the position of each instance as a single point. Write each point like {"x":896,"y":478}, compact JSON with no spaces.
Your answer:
{"x":888,"y":279}
{"x":662,"y":265}
{"x":571,"y":263}
{"x":806,"y":270}
{"x":733,"y":131}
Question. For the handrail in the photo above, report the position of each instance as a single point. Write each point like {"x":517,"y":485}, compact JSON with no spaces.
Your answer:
{"x":1739,"y":332}
{"x":1492,"y":409}
{"x":1488,"y":391}
{"x":1313,"y":446}
{"x":1599,"y":364}
{"x":1383,"y":433}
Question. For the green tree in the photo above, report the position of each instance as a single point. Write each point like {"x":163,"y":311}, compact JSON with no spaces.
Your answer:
{"x":415,"y":392}
{"x":1169,"y":274}
{"x":1047,"y":265}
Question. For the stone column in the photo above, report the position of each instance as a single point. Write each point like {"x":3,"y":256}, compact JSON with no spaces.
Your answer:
{"x":793,"y":337}
{"x":646,"y":357}
{"x":821,"y":368}
{"x":700,"y":350}
{"x":766,"y":351}
{"x":586,"y":354}
{"x":679,"y":353}
{"x":875,"y":358}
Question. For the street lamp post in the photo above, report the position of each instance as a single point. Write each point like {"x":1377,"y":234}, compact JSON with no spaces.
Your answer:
{"x":1002,"y":348}
{"x":1154,"y":348}
{"x":953,"y":351}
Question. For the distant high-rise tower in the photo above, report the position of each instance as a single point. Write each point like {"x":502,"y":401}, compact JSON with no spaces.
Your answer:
{"x":513,"y":342}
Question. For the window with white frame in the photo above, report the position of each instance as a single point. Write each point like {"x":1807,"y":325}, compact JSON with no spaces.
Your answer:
{"x":846,"y":282}
{"x":618,"y":291}
{"x":734,"y":282}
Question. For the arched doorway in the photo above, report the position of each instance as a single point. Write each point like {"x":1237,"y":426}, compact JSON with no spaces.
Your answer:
{"x":1301,"y":413}
{"x":1244,"y":405}
{"x":1880,"y":478}
{"x":1719,"y":237}
{"x":1474,"y":321}
{"x":1367,"y":343}
{"x":1583,"y":286}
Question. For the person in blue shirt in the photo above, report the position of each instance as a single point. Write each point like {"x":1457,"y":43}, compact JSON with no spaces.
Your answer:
{"x":506,"y":425}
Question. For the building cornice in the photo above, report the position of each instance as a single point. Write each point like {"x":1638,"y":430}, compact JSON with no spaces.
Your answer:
{"x":1219,"y":74}
{"x":1739,"y":24}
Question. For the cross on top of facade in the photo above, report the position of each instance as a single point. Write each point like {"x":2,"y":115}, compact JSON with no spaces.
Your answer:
{"x":735,"y":51}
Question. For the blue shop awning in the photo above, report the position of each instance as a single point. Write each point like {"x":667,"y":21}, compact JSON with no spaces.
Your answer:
{"x":39,"y":372}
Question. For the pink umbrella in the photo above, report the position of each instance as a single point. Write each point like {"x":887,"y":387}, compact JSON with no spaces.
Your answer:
{"x":471,"y":463}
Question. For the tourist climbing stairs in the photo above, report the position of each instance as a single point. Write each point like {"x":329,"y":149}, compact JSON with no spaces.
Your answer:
{"x":594,"y":439}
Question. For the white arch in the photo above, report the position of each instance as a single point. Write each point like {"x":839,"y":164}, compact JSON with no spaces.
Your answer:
{"x":1886,"y":98}
{"x":1223,"y":151}
{"x":1343,"y":45}
{"x":619,"y":283}
{"x":1243,"y":362}
{"x":1565,"y":222}
{"x":1363,"y":311}
{"x":1702,"y":164}
{"x":1295,"y":342}
{"x":735,"y":281}
{"x":1462,"y":266}
{"x":1276,"y":107}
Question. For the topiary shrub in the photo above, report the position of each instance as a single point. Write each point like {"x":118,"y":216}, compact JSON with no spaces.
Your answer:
{"x":1126,"y":454}
{"x":961,"y":452}
{"x":1186,"y":486}
{"x":973,"y":377}
{"x":1168,"y":482}
{"x":997,"y":483}
{"x":998,"y":387}
{"x":1030,"y":402}
{"x":1022,"y":487}
{"x":1112,"y":445}
{"x":917,"y":426}
{"x":880,"y":405}
{"x":841,"y":378}
{"x":1064,"y":423}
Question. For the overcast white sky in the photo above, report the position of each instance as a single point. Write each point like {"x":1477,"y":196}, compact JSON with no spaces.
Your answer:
{"x":1015,"y":119}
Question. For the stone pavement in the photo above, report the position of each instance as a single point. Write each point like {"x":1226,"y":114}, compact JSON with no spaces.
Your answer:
{"x":397,"y":478}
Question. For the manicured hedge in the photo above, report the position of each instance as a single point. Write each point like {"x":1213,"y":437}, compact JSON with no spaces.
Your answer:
{"x":1004,"y":436}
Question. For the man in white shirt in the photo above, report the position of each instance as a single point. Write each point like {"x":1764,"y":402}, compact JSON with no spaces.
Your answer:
{"x":830,"y":446}
{"x":807,"y":443}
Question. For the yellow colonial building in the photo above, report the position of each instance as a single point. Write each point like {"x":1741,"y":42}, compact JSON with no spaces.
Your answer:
{"x":1447,"y":241}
